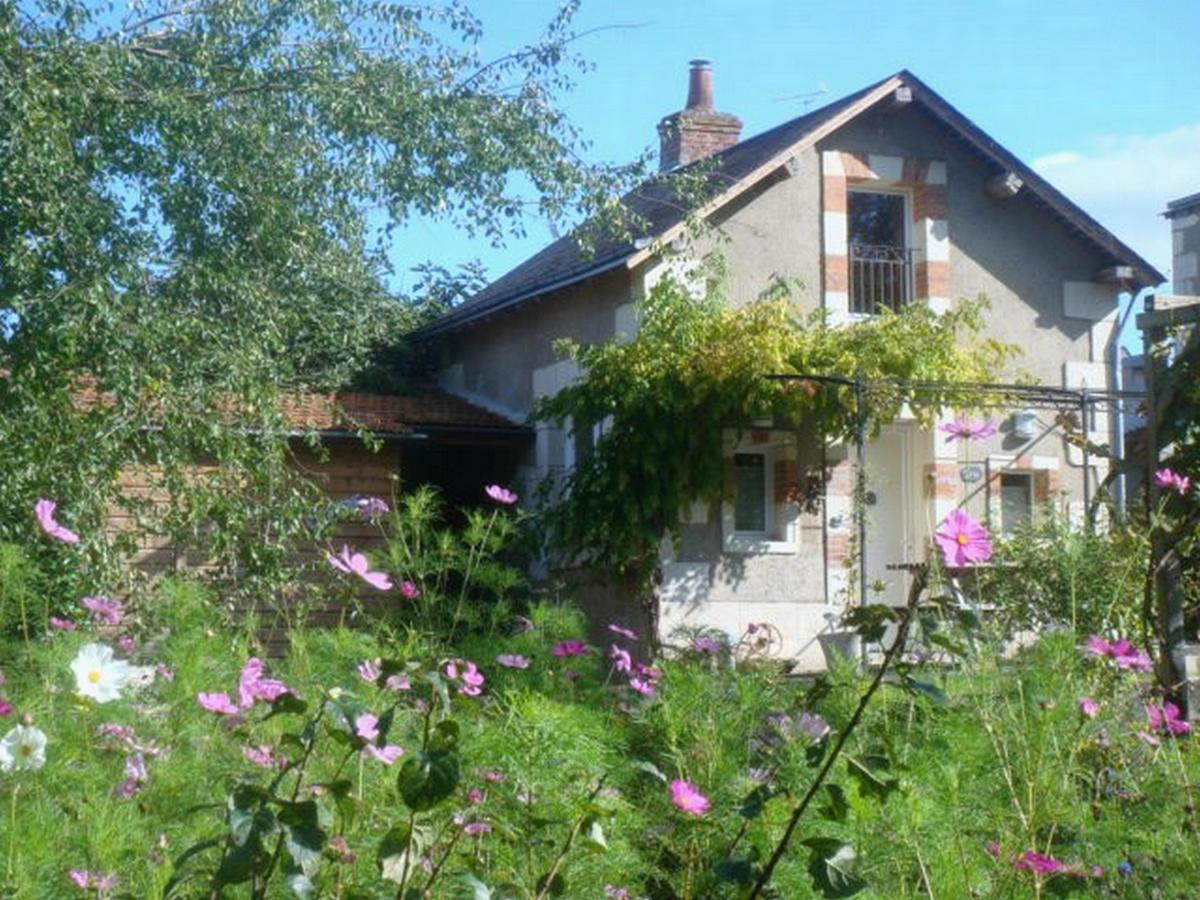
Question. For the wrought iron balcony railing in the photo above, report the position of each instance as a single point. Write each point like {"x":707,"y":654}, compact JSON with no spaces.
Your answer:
{"x":880,"y":277}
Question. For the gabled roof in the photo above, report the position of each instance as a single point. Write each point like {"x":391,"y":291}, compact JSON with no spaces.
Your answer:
{"x":734,"y":170}
{"x":1182,"y":205}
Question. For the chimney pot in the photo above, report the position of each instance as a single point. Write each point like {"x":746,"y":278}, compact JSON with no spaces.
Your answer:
{"x":698,"y":130}
{"x":700,"y":85}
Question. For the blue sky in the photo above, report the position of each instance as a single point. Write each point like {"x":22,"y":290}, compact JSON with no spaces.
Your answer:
{"x":1099,"y":96}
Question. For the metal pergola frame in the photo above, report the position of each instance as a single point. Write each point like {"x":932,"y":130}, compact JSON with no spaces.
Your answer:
{"x":1078,"y":400}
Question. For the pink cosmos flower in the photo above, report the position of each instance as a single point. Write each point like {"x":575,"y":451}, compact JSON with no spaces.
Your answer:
{"x":476,"y":828}
{"x":1148,"y":738}
{"x":475,"y":796}
{"x":1038,"y":863}
{"x":468,"y":674}
{"x":127,"y":789}
{"x":706,"y":645}
{"x":164,"y":672}
{"x":570,"y":648}
{"x":252,"y":686}
{"x":409,"y":591}
{"x":1170,"y":480}
{"x":386,"y":755}
{"x":1089,"y":707}
{"x":653,"y":673}
{"x":371,"y":508}
{"x":812,"y":726}
{"x":616,"y":893}
{"x":1121,"y":652}
{"x":964,"y":429}
{"x":621,"y":659}
{"x":43,"y":510}
{"x":1167,"y":719}
{"x":262,"y":755}
{"x":495,"y":776}
{"x":513,"y":661}
{"x":217,"y":703}
{"x":642,"y":686}
{"x":962,"y":540}
{"x":62,"y":624}
{"x":356,"y":564}
{"x":993,"y":849}
{"x":93,"y":881}
{"x":687,"y":797}
{"x":624,"y":632}
{"x":366,"y":727}
{"x":369,"y":669}
{"x":126,"y":644}
{"x":6,"y":708}
{"x":397,"y":683}
{"x":498,"y":494}
{"x":103,"y":609}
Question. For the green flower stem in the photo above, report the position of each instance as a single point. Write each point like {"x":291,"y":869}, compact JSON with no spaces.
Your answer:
{"x":548,"y":880}
{"x":12,"y":826}
{"x":914,"y":594}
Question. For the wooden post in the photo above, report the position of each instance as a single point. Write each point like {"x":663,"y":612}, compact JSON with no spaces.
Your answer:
{"x":1163,"y":580}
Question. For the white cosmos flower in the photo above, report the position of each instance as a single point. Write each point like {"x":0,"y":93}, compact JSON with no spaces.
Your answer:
{"x":98,"y":675}
{"x":24,"y":747}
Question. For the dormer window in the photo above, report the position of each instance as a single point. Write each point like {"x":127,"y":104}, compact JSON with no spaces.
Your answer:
{"x":880,"y":251}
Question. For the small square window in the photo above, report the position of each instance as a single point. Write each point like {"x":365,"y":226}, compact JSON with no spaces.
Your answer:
{"x":750,"y":492}
{"x":1016,"y":501}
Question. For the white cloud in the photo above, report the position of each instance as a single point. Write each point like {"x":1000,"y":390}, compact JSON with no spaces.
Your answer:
{"x":1125,"y":182}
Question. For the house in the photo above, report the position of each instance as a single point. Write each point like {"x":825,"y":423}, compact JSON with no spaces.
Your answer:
{"x":886,"y":197}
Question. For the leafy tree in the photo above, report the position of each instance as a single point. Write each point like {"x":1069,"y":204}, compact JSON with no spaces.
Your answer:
{"x":698,"y":367}
{"x":189,"y":201}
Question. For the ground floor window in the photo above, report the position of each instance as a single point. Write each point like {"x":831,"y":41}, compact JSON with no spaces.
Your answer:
{"x":750,"y":490}
{"x":1016,"y":501}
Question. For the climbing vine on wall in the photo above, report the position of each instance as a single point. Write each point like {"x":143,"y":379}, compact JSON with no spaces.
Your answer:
{"x":698,"y":367}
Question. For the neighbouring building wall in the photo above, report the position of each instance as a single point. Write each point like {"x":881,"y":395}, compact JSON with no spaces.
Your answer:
{"x":1184,"y":215}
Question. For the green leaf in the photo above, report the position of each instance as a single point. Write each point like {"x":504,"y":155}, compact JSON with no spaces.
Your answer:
{"x":870,"y":621}
{"x":925,"y":689}
{"x":445,"y":735}
{"x":835,"y":806}
{"x":397,"y":845}
{"x":428,"y":778}
{"x":479,"y":890}
{"x":593,"y":835}
{"x":752,"y":807}
{"x":869,"y":783}
{"x":648,"y":767}
{"x":834,"y":867}
{"x":286,"y":704}
{"x":303,"y":835}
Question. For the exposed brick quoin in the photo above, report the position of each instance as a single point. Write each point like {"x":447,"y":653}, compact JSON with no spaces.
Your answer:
{"x":941,"y":480}
{"x":787,"y":479}
{"x":841,"y":480}
{"x":837,"y":548}
{"x":834,"y":189}
{"x":837,"y":273}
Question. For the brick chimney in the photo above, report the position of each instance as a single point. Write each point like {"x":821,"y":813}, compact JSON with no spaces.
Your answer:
{"x":697,"y":130}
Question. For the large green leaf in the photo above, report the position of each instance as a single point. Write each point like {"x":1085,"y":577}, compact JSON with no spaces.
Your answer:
{"x":427,"y":778}
{"x":834,"y":867}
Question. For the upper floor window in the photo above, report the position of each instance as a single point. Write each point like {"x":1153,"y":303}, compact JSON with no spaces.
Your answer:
{"x":880,"y":251}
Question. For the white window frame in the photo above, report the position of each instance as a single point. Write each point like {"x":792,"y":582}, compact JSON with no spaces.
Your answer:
{"x":876,"y":188}
{"x":760,"y":542}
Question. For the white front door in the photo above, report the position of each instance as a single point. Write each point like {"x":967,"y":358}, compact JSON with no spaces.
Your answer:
{"x":888,"y":510}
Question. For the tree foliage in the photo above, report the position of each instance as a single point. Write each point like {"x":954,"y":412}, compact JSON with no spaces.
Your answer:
{"x":698,"y":367}
{"x":194,"y":203}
